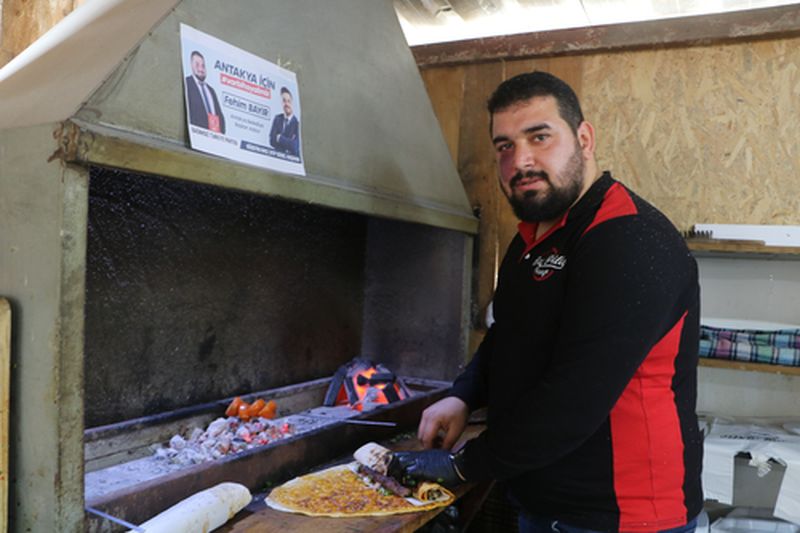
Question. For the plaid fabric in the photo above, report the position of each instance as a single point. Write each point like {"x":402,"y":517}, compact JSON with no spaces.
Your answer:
{"x":779,"y":347}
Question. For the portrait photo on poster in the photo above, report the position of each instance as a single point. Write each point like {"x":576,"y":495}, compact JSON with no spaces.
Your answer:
{"x":240,"y":106}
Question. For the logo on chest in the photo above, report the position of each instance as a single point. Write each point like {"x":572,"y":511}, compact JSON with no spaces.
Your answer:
{"x":545,"y":265}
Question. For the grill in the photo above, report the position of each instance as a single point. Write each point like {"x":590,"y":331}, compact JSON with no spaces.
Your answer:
{"x":151,"y":283}
{"x":317,"y":419}
{"x":125,"y":479}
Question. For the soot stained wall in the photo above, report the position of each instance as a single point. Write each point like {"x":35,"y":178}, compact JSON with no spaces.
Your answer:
{"x":196,"y":293}
{"x":415,"y":279}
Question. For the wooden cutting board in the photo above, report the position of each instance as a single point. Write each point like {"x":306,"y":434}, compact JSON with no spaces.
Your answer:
{"x":5,"y":358}
{"x":271,"y":521}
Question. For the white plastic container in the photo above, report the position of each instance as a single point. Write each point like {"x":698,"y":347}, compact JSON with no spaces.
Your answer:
{"x":752,"y":525}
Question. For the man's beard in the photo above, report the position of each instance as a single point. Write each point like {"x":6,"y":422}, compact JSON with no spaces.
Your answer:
{"x":551,"y":203}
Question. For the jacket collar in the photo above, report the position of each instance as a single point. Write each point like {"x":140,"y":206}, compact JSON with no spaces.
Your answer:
{"x":587,"y":203}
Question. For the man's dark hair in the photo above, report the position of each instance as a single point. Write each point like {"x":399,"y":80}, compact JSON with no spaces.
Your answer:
{"x":537,"y":83}
{"x":196,"y":53}
{"x":286,"y":90}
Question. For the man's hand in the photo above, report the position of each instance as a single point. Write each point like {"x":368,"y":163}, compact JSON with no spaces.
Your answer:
{"x":449,"y":416}
{"x":429,"y":465}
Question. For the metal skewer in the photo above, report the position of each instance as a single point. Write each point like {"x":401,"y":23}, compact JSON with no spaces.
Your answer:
{"x":350,"y":420}
{"x":119,"y":521}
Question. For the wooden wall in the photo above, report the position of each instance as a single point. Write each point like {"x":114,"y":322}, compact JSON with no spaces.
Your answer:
{"x":709,"y":134}
{"x":23,"y":21}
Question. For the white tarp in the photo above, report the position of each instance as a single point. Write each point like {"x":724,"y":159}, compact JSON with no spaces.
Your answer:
{"x":48,"y":81}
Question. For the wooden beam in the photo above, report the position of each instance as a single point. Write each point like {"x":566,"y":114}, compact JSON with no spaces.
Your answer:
{"x":752,"y":24}
{"x":750,"y":367}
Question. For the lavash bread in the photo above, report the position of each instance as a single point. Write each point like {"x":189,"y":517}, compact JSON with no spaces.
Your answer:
{"x":374,"y":456}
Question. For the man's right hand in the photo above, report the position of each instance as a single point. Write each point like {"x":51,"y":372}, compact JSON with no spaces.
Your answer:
{"x":449,"y":416}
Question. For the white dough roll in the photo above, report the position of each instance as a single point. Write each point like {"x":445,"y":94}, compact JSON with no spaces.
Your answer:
{"x":202,"y":512}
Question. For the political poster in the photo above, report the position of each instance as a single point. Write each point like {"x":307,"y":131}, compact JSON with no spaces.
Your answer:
{"x":240,"y":106}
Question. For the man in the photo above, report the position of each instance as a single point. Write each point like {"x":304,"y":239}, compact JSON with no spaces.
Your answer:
{"x":589,"y":370}
{"x":285,"y":127}
{"x":204,"y":109}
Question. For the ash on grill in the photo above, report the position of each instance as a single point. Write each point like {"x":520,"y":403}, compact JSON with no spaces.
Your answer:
{"x":177,"y":456}
{"x":373,"y":385}
{"x":224,"y":436}
{"x":360,"y":385}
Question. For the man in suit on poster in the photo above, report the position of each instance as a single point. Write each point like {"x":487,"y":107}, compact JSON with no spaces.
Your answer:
{"x":285,"y":132}
{"x":204,"y":108}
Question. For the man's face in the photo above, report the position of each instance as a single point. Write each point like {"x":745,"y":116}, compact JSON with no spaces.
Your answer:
{"x":287,"y":104}
{"x":541,"y":162}
{"x":199,"y":67}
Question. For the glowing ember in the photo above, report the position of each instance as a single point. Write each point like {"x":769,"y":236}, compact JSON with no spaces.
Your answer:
{"x":224,"y":436}
{"x":363,"y":385}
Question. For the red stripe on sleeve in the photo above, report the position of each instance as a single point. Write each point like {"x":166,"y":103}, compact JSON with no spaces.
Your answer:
{"x":616,"y":203}
{"x":647,"y":444}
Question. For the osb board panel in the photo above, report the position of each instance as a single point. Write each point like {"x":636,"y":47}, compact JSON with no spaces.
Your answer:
{"x":24,"y":21}
{"x":707,"y":134}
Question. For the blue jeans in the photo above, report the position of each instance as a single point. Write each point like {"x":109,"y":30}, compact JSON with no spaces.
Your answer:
{"x":535,"y":524}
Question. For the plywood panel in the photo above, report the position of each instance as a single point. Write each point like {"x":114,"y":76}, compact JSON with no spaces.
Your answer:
{"x":445,"y":88}
{"x":708,"y":134}
{"x":24,"y":21}
{"x":476,"y":168}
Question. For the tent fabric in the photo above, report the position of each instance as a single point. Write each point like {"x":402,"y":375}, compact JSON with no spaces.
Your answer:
{"x":48,"y":81}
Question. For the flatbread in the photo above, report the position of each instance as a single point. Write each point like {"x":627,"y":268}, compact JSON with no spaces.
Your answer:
{"x":340,"y":492}
{"x":430,"y":492}
{"x":374,"y":456}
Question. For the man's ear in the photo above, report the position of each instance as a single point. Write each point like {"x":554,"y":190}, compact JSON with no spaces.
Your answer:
{"x":586,"y":138}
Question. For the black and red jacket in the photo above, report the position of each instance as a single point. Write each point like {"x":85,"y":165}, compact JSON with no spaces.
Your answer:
{"x":589,"y":371}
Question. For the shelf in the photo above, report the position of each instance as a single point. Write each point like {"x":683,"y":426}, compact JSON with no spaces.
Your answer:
{"x":741,"y":249}
{"x":750,"y":367}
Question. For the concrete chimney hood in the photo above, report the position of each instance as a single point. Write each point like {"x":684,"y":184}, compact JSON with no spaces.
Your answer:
{"x":103,"y":90}
{"x":110,"y":73}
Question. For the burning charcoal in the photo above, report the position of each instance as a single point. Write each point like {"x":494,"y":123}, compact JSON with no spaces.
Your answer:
{"x":223,"y":436}
{"x":223,"y":446}
{"x":217,"y":426}
{"x":244,"y":434}
{"x":196,"y":457}
{"x":257,"y":425}
{"x":165,"y":453}
{"x":177,"y":442}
